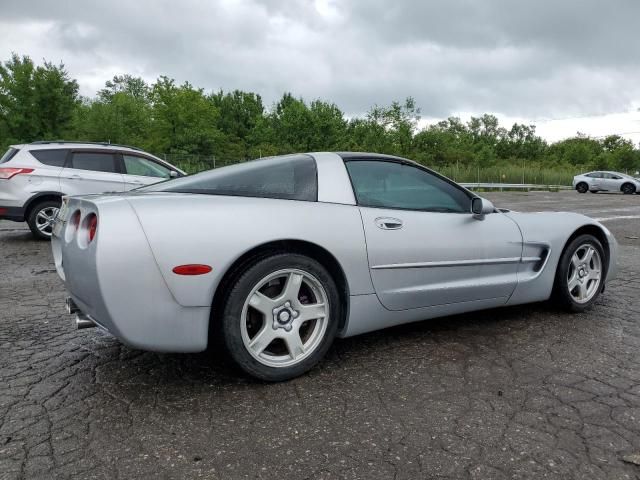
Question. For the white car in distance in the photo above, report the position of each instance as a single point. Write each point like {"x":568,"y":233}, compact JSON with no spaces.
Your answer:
{"x":602,"y":181}
{"x":34,"y":177}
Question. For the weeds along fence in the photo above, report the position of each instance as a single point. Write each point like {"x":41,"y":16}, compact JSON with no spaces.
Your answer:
{"x":464,"y":174}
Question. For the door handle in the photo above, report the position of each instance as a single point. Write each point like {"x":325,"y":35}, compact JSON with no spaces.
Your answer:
{"x":388,"y":223}
{"x":75,"y":177}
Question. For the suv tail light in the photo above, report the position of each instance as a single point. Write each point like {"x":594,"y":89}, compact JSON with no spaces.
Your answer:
{"x":6,"y":172}
{"x":92,"y":226}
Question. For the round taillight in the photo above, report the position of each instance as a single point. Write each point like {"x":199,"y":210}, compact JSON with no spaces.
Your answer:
{"x":72,"y":226}
{"x":75,"y":219}
{"x":92,"y":226}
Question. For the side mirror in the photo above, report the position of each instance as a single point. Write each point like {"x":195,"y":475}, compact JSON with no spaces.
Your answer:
{"x":173,"y":174}
{"x":480,"y":207}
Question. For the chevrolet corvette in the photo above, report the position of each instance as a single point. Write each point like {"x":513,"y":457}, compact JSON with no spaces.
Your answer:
{"x":274,"y":258}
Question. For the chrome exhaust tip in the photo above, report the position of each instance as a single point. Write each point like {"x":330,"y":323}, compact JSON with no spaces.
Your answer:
{"x":71,"y":306}
{"x":83,"y":321}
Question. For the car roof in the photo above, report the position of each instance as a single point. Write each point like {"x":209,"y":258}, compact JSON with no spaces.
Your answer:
{"x":49,"y":144}
{"x":53,"y":144}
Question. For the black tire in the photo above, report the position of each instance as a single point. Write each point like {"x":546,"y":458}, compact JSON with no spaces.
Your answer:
{"x":34,"y":221}
{"x":582,"y":187}
{"x":628,"y":189}
{"x":231,"y":330}
{"x":561,"y":292}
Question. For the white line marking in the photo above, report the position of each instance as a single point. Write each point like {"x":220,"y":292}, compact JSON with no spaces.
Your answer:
{"x":619,"y":217}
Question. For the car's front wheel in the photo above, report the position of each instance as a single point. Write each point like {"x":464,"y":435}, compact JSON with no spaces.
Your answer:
{"x":281,"y":316}
{"x":580,"y":274}
{"x":41,"y":218}
{"x":582,"y":187}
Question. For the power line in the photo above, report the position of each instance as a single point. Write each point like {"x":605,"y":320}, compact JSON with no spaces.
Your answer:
{"x":618,"y":134}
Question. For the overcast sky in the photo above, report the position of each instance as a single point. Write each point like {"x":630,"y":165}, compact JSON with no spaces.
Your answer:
{"x":565,"y":65}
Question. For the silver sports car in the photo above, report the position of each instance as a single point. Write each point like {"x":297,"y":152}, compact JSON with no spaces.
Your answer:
{"x":273,"y":258}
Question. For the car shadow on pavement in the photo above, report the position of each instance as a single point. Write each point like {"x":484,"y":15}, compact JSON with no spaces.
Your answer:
{"x":122,"y":365}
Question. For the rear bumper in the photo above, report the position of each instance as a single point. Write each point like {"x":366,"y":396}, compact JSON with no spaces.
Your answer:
{"x":115,"y":283}
{"x":15,"y":214}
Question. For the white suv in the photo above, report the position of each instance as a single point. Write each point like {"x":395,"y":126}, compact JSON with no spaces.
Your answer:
{"x":35,"y":176}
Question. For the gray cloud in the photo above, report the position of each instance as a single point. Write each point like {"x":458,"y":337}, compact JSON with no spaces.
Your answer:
{"x":526,"y":59}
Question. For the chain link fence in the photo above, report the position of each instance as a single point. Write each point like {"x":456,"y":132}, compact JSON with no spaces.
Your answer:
{"x":197,"y":163}
{"x":523,"y":174}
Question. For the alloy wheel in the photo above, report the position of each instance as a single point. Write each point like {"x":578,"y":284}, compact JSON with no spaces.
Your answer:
{"x":284,"y":318}
{"x":45,"y":219}
{"x":585,"y":273}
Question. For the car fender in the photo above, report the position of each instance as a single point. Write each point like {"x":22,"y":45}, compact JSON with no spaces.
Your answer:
{"x":217,"y":230}
{"x":546,"y":234}
{"x":33,"y":199}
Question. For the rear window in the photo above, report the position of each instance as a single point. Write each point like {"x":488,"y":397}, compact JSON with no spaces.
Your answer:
{"x":95,"y":161}
{"x":289,"y":177}
{"x":54,"y":158}
{"x":8,"y":155}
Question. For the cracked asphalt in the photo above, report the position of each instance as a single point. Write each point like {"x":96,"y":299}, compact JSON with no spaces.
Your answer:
{"x":526,"y":392}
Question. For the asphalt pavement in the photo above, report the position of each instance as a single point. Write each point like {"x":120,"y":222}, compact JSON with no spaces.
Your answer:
{"x":522,"y":392}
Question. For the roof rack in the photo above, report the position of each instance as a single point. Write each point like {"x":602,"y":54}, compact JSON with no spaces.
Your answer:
{"x":104,"y":144}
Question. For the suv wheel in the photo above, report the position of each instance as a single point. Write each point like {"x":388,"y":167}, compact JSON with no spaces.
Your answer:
{"x":41,"y":218}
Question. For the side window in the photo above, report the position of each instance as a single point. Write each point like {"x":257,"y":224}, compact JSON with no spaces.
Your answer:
{"x":95,"y":161}
{"x":290,"y":177}
{"x":53,"y":158}
{"x":8,"y":155}
{"x":616,"y":177}
{"x":135,"y":165}
{"x":396,"y":185}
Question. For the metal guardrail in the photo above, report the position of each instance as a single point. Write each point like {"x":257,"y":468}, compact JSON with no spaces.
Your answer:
{"x":515,"y":186}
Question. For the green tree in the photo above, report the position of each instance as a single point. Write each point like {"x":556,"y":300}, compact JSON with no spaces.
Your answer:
{"x":184,"y":119}
{"x":121,"y":113}
{"x":36,"y":103}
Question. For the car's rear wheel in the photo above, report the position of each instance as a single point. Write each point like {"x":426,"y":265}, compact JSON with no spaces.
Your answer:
{"x":41,"y":218}
{"x":580,"y":274}
{"x":582,"y":187}
{"x":628,"y":189}
{"x":281,"y":316}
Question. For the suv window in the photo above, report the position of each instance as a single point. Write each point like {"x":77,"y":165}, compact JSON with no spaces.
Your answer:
{"x":145,"y":167}
{"x":54,"y":158}
{"x":96,"y":161}
{"x":290,"y":177}
{"x":397,"y":185}
{"x":8,"y":155}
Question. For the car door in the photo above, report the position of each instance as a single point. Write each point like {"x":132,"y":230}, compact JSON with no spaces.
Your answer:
{"x":614,"y":182}
{"x":596,"y":181}
{"x":91,"y":171}
{"x":139,"y":171}
{"x":424,"y":246}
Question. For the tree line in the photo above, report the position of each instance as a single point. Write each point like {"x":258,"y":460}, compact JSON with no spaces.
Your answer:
{"x":42,"y":102}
